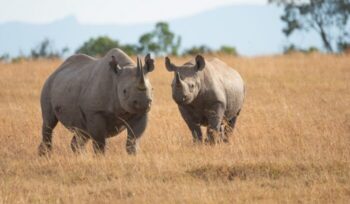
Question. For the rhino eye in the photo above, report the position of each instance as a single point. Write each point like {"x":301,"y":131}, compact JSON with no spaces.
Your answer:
{"x":124,"y":91}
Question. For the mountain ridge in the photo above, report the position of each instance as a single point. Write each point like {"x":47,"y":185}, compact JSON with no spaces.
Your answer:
{"x":252,"y":29}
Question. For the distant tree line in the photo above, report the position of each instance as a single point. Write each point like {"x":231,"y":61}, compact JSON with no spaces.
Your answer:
{"x":328,"y":18}
{"x":44,"y":49}
{"x":290,"y":49}
{"x":160,"y":41}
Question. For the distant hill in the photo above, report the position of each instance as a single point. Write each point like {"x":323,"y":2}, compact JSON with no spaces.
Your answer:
{"x":253,"y":30}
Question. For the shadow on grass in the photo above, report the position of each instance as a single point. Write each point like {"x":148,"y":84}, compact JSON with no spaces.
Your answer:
{"x":269,"y":171}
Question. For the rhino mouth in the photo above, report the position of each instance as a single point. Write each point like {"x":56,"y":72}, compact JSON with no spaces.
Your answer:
{"x":183,"y":101}
{"x":148,"y":107}
{"x":186,"y":99}
{"x":140,"y":109}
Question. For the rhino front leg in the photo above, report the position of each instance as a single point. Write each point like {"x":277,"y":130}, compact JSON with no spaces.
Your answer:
{"x":197,"y":134}
{"x":215,"y":130}
{"x":98,"y":132}
{"x":135,"y":131}
{"x":192,"y":125}
{"x":99,"y":145}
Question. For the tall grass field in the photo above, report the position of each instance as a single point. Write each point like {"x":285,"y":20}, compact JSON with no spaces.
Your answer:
{"x":291,"y":143}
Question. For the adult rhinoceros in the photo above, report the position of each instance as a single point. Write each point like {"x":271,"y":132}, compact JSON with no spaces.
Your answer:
{"x":208,"y":93}
{"x":97,"y":99}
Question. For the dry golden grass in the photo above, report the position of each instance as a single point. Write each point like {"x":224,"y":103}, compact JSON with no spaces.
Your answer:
{"x":291,"y":144}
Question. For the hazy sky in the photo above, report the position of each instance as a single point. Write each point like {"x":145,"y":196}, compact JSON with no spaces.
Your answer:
{"x":107,"y":11}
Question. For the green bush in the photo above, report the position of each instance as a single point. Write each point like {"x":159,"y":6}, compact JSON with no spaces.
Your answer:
{"x":202,"y":49}
{"x":45,"y":49}
{"x":228,"y":50}
{"x":98,"y":46}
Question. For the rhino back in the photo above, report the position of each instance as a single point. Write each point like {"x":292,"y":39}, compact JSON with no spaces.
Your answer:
{"x":70,"y":89}
{"x":226,"y":84}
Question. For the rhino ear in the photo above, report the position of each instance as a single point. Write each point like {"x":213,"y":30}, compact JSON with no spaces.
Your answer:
{"x":169,"y":66}
{"x":200,"y":62}
{"x":113,"y":64}
{"x":149,"y":63}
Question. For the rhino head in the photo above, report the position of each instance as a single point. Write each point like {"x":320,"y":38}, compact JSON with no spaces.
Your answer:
{"x":186,"y":83}
{"x":134,"y":89}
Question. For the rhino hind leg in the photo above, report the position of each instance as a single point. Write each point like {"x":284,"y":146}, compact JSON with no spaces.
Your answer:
{"x":78,"y":142}
{"x":228,"y":129}
{"x":49,"y":123}
{"x":99,"y":145}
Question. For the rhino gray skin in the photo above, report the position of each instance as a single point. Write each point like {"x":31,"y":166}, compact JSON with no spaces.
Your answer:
{"x":208,"y":93}
{"x":97,"y":99}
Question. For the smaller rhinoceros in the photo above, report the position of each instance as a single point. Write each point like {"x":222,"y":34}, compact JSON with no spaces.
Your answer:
{"x":208,"y":93}
{"x":97,"y":99}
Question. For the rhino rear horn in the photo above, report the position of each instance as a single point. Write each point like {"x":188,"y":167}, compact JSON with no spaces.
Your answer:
{"x":178,"y":79}
{"x":138,"y":67}
{"x":114,"y":65}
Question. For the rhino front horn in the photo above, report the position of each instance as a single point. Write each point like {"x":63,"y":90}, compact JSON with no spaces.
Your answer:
{"x":178,"y":79}
{"x":142,"y":84}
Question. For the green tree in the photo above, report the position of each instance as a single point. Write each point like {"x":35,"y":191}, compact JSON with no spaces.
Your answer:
{"x":312,"y":50}
{"x":45,"y":49}
{"x":160,"y":41}
{"x":344,"y":46}
{"x":101,"y":45}
{"x":130,"y":49}
{"x":98,"y":46}
{"x":147,"y":44}
{"x":228,"y":50}
{"x":290,"y":49}
{"x":329,"y":18}
{"x":4,"y":57}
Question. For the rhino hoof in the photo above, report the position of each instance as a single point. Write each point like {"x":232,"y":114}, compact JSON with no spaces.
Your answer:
{"x":210,"y":141}
{"x":44,"y":149}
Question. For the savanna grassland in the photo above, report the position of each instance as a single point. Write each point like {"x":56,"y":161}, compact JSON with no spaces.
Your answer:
{"x":291,"y":143}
